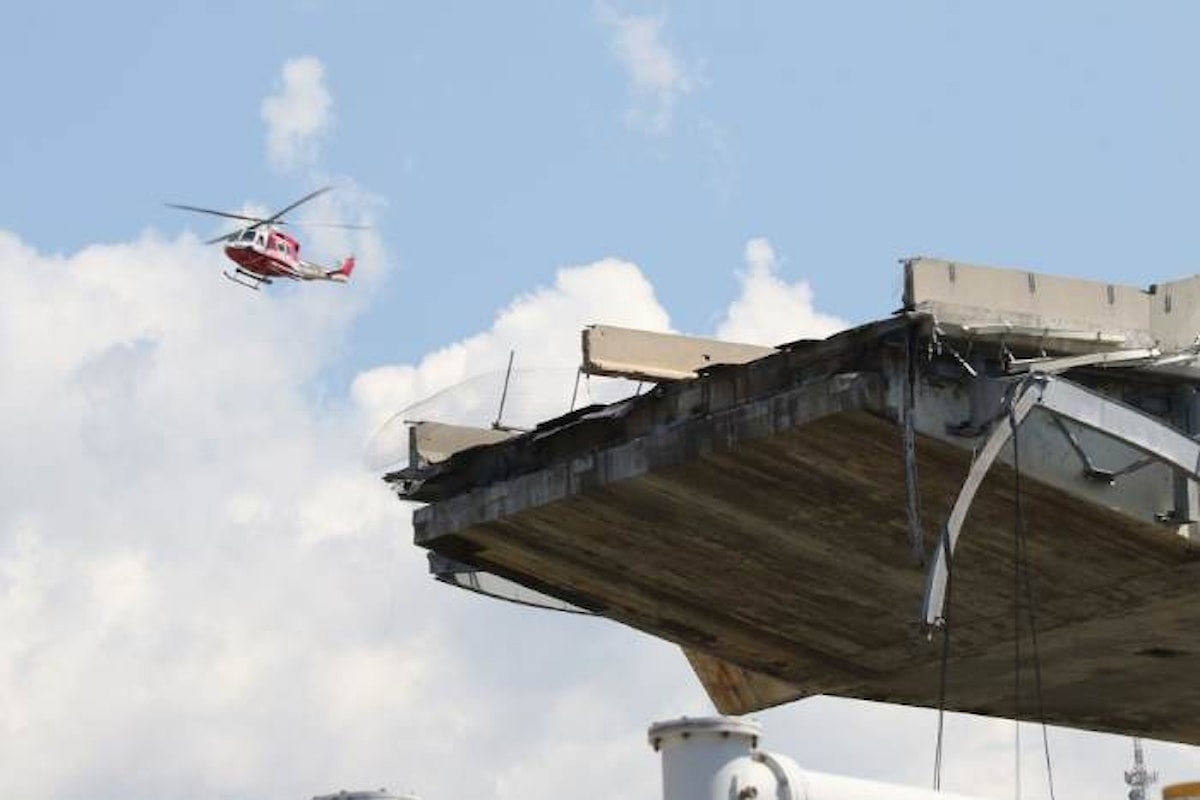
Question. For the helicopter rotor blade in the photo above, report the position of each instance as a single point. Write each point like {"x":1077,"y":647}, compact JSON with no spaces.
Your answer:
{"x":227,"y":236}
{"x":298,"y":203}
{"x":257,"y":222}
{"x":214,"y":212}
{"x":307,"y":224}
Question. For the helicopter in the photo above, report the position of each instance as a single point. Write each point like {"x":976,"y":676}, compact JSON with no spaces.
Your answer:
{"x":263,"y":252}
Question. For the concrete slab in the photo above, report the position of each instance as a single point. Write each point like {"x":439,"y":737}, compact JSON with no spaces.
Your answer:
{"x":756,"y":516}
{"x":652,"y":356}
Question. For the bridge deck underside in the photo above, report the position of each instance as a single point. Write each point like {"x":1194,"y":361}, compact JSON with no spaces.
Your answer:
{"x":789,"y":554}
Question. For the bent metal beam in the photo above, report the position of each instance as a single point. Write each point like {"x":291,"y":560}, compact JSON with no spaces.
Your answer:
{"x":1064,"y":399}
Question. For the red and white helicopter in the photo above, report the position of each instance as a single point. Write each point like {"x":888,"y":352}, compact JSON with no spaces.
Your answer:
{"x":262,"y":251}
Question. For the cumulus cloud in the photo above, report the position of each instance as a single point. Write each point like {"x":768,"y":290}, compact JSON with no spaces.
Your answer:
{"x":202,"y":591}
{"x":611,"y":291}
{"x":656,"y":77}
{"x":771,"y":311}
{"x":203,"y":594}
{"x":157,"y":572}
{"x":298,"y":115}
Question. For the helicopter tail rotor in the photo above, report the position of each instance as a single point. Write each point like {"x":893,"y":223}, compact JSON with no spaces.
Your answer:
{"x":342,"y":273}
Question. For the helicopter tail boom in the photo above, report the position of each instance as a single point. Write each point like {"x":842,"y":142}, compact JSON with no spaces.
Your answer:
{"x":342,"y":273}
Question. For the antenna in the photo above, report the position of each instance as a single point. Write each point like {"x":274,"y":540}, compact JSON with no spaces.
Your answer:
{"x":1139,"y":778}
{"x":497,"y":425}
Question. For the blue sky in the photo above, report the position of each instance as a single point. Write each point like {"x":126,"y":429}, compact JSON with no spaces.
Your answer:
{"x":226,"y":604}
{"x":1059,"y":138}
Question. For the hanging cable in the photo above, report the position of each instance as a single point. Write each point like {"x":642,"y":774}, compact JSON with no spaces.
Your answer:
{"x":1012,"y":421}
{"x":1021,"y":567}
{"x":1037,"y":672}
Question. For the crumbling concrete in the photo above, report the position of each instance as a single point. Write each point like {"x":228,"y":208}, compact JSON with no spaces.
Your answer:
{"x":756,"y":514}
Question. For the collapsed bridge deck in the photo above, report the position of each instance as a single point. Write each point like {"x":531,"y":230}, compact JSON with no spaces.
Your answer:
{"x":756,"y":515}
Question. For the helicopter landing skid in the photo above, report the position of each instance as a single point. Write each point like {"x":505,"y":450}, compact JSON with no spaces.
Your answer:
{"x":254,"y":282}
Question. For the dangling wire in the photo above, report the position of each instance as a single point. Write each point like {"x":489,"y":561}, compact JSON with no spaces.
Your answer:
{"x":1021,"y":570}
{"x":1037,"y":673}
{"x":1012,"y":421}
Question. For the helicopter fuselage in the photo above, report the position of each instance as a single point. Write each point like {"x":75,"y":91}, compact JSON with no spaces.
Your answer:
{"x":267,"y":252}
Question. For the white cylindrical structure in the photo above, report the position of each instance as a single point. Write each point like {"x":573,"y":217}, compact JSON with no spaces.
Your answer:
{"x":706,"y":757}
{"x":717,"y":758}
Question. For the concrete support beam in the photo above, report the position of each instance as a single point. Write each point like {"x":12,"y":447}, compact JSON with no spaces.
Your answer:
{"x":1062,"y":314}
{"x":1175,"y":313}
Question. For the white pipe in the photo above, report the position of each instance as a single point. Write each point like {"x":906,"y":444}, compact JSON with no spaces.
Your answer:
{"x":716,"y":758}
{"x":707,"y":757}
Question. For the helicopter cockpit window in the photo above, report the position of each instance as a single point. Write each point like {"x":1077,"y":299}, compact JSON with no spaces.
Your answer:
{"x":247,"y":236}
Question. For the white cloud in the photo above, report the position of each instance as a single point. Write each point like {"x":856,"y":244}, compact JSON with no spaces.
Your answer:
{"x":769,"y":310}
{"x":202,"y":591}
{"x":298,"y":115}
{"x":656,"y":77}
{"x":168,"y":492}
{"x":203,"y":594}
{"x":611,"y":291}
